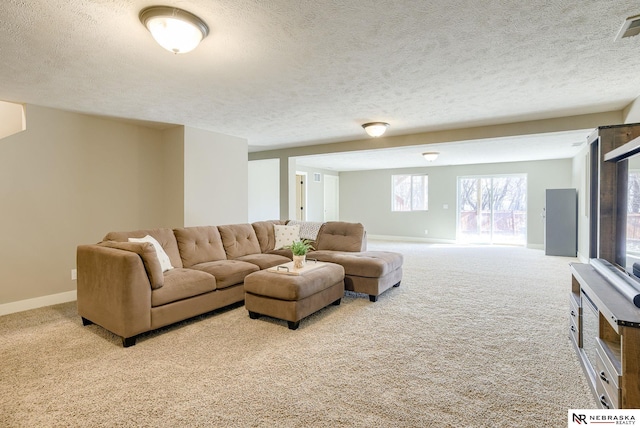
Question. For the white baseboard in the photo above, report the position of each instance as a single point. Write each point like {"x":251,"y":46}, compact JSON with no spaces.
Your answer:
{"x":432,"y":240}
{"x":38,"y":302}
{"x":410,"y":239}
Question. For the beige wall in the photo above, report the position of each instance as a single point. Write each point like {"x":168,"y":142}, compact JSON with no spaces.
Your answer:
{"x":264,"y":190}
{"x":70,"y":178}
{"x":67,"y":180}
{"x":215,"y":178}
{"x":11,"y":118}
{"x":173,"y":175}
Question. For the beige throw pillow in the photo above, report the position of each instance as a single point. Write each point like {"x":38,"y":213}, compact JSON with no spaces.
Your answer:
{"x":285,"y":235}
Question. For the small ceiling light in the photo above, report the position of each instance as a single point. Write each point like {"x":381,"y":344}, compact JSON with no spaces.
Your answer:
{"x":630,"y":27}
{"x":174,"y":29}
{"x":375,"y":129}
{"x":430,"y":156}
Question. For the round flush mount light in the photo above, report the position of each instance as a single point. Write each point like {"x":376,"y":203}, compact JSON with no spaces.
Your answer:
{"x":375,"y":129}
{"x":430,"y":156}
{"x":174,"y":29}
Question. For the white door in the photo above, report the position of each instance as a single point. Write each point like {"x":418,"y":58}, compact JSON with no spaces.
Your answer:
{"x":331,"y":197}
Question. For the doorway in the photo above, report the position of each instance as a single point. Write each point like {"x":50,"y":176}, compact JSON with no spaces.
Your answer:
{"x":492,"y":209}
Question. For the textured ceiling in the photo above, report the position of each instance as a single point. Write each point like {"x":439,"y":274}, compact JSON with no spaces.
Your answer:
{"x":288,"y":73}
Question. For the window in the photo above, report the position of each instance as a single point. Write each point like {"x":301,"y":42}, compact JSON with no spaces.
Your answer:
{"x":409,"y":192}
{"x":493,"y":209}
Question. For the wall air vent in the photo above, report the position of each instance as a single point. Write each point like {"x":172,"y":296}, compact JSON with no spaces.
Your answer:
{"x":630,"y":28}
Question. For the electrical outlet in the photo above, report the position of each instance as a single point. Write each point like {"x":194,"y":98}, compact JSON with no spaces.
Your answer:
{"x":426,"y":232}
{"x":74,"y":274}
{"x":445,"y":206}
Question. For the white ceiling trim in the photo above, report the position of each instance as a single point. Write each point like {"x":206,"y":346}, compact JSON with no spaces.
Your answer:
{"x":552,"y":145}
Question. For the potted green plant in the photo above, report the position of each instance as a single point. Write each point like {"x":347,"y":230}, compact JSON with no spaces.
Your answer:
{"x":300,"y":249}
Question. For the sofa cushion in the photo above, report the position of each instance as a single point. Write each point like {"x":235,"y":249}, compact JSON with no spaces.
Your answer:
{"x":285,"y":252}
{"x":285,"y":235}
{"x":368,"y":264}
{"x":149,"y":257}
{"x":239,"y":240}
{"x":165,"y":237}
{"x":227,"y":272}
{"x":163,"y":258}
{"x":181,"y":284}
{"x":341,"y":236}
{"x":265,"y":261}
{"x":264,"y":233}
{"x":199,"y":244}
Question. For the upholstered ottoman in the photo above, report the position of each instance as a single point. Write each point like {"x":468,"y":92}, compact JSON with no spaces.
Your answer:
{"x":292,"y":295}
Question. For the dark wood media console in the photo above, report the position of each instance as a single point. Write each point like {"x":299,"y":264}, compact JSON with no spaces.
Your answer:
{"x":604,"y":321}
{"x":604,"y":327}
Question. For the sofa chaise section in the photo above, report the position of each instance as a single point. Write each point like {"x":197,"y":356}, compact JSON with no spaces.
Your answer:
{"x":368,"y":272}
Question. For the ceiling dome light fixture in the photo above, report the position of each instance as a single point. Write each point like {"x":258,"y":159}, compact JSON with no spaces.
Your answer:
{"x":430,"y":156}
{"x":375,"y":129}
{"x":174,"y":29}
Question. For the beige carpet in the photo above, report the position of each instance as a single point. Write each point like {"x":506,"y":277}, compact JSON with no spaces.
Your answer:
{"x":474,"y":337}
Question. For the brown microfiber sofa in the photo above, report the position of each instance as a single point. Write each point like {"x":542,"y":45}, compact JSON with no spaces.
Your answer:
{"x":121,"y":285}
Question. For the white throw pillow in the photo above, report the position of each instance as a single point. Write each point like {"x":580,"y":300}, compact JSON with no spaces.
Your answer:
{"x":163,"y":258}
{"x":285,"y":235}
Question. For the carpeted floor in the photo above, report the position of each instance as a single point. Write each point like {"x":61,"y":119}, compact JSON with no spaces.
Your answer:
{"x":474,"y":337}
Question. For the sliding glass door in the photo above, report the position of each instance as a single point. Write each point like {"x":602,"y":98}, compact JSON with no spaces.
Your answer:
{"x":492,"y":209}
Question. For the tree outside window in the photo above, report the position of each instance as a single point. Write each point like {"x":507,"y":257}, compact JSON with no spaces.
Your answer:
{"x":493,"y":209}
{"x":633,"y":213}
{"x":409,"y":192}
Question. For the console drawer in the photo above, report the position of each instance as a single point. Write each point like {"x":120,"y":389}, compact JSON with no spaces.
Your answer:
{"x":574,"y":333}
{"x":608,"y":362}
{"x":575,"y":309}
{"x":605,"y":400}
{"x":575,"y":313}
{"x":607,"y":380}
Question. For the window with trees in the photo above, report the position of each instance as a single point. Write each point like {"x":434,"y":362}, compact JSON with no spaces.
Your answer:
{"x":633,"y":210}
{"x":493,"y":209}
{"x":409,"y":192}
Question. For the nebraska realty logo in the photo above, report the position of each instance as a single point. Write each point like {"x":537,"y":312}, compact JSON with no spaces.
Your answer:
{"x":580,"y":418}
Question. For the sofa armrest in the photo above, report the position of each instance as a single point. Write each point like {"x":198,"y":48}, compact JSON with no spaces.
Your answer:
{"x":113,"y":290}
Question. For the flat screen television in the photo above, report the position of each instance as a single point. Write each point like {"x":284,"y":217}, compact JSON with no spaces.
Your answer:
{"x":627,"y":240}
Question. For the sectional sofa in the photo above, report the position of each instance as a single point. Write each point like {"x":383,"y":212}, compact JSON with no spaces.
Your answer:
{"x":128,"y":286}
